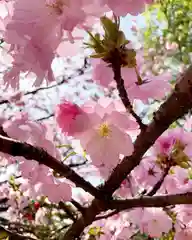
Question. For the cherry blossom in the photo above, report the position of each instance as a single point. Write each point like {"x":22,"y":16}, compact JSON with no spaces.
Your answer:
{"x":147,"y":173}
{"x":153,"y":221}
{"x":71,"y":118}
{"x":149,"y":87}
{"x":35,"y":33}
{"x":132,"y":7}
{"x":183,"y":231}
{"x":174,"y":139}
{"x":178,"y":181}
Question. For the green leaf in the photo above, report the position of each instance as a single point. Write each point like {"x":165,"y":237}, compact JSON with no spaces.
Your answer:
{"x":95,"y":231}
{"x":110,"y":28}
{"x":69,"y":155}
{"x":64,"y":145}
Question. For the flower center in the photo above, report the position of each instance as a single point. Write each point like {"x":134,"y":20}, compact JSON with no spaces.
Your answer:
{"x":104,"y":130}
{"x":56,"y":5}
{"x":177,"y":156}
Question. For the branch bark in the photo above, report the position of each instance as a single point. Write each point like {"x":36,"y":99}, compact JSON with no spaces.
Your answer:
{"x":176,"y":106}
{"x":155,"y":201}
{"x":116,"y":66}
{"x":157,"y":186}
{"x":16,"y":148}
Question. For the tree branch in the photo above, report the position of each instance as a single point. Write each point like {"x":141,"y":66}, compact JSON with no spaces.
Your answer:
{"x":177,"y":104}
{"x":16,"y":148}
{"x":157,"y":186}
{"x":116,"y":66}
{"x":76,"y":229}
{"x":155,"y":201}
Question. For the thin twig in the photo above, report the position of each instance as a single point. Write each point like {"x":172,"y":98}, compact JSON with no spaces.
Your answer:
{"x":116,"y":66}
{"x":159,"y":183}
{"x":148,"y":201}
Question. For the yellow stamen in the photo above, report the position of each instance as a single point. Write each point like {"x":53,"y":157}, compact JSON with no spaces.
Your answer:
{"x":57,"y":6}
{"x":104,"y":130}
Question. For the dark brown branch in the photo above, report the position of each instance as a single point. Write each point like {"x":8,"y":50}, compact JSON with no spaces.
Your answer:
{"x":45,"y":118}
{"x":110,"y":214}
{"x":79,"y":207}
{"x":116,"y":66}
{"x":121,"y":205}
{"x":74,"y":165}
{"x":155,"y":201}
{"x":175,"y":107}
{"x":88,"y":217}
{"x":2,"y":132}
{"x":159,"y":183}
{"x":16,"y":148}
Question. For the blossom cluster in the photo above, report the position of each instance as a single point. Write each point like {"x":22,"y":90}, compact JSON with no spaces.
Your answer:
{"x":34,"y":33}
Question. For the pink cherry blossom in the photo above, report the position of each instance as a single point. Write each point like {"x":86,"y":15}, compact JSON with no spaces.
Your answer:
{"x":188,"y":123}
{"x":38,"y":35}
{"x":29,"y":190}
{"x":151,"y":87}
{"x":103,"y":148}
{"x":177,"y":181}
{"x":184,"y":213}
{"x":124,"y":232}
{"x":4,"y":191}
{"x":129,"y":188}
{"x":147,"y":173}
{"x":36,"y":32}
{"x":33,"y":171}
{"x":57,"y":192}
{"x":165,"y":144}
{"x":151,"y":221}
{"x":37,"y":134}
{"x":100,"y":141}
{"x":104,"y":125}
{"x":101,"y":72}
{"x":155,"y":222}
{"x":118,"y":114}
{"x":132,"y":7}
{"x":183,"y":231}
{"x":33,"y":44}
{"x":71,"y":118}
